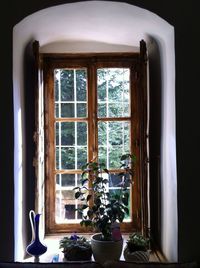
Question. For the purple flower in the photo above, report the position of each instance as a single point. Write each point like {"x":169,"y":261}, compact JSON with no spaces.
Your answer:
{"x":74,"y":237}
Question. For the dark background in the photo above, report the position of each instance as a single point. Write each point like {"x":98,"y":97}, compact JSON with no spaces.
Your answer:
{"x":185,"y":19}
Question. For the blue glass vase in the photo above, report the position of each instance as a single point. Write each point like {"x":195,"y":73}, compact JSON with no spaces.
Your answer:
{"x":35,"y":248}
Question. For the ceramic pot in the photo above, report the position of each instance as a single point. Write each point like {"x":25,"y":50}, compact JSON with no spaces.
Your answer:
{"x":105,"y":250}
{"x":136,"y":256}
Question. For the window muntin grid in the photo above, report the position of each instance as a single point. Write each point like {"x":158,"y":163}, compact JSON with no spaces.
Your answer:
{"x":70,"y":99}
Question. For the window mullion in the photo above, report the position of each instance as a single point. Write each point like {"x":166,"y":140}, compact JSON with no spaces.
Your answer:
{"x":75,"y":113}
{"x":107,"y":124}
{"x":92,"y":113}
{"x":59,"y":144}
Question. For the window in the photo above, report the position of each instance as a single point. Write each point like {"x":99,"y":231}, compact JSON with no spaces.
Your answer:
{"x":91,"y":112}
{"x":93,"y":108}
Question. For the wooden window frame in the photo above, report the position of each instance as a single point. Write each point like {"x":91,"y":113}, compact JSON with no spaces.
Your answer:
{"x":137,"y":65}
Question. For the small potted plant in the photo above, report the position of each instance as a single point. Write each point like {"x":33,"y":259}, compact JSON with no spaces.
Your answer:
{"x":76,"y":248}
{"x":136,"y":248}
{"x":103,"y":211}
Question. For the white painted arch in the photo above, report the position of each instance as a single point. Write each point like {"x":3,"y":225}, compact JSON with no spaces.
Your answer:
{"x":101,"y":26}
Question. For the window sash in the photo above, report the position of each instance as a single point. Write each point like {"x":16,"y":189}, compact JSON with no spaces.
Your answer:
{"x":92,"y":64}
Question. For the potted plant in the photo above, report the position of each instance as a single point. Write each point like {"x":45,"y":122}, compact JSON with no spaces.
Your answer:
{"x":103,"y":211}
{"x":136,"y":248}
{"x":76,"y":248}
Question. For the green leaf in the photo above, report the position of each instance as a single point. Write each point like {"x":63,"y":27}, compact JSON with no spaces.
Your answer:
{"x":124,"y":157}
{"x":97,"y":201}
{"x":125,"y":201}
{"x":126,"y":210}
{"x":84,"y":167}
{"x":101,"y":210}
{"x":121,"y":217}
{"x":89,"y":213}
{"x":87,"y":223}
{"x":78,"y":194}
{"x":75,"y":188}
{"x":133,"y":157}
{"x":84,"y":206}
{"x":105,"y":181}
{"x":94,"y":208}
{"x":106,"y":170}
{"x":84,"y":181}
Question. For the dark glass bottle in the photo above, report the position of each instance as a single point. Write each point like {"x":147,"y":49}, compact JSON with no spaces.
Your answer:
{"x":35,"y":248}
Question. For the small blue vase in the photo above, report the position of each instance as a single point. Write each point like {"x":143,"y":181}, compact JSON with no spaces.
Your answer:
{"x":35,"y":248}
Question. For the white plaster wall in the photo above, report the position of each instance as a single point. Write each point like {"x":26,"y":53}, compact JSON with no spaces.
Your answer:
{"x":101,"y":26}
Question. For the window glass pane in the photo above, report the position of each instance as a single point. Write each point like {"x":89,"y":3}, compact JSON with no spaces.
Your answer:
{"x":81,"y":109}
{"x":81,"y":156}
{"x":65,"y":201}
{"x":102,"y":110}
{"x":102,"y":155}
{"x":69,"y":211}
{"x":113,"y":92}
{"x":115,"y":180}
{"x":67,"y":110}
{"x":65,"y":133}
{"x":67,"y":85}
{"x":65,"y":180}
{"x":113,"y":141}
{"x":81,"y":133}
{"x":56,"y":84}
{"x":79,"y":215}
{"x":119,"y":133}
{"x":117,"y":110}
{"x":71,"y":144}
{"x":65,"y":157}
{"x":68,"y":195}
{"x":57,"y":109}
{"x":70,"y":92}
{"x":114,"y":155}
{"x":68,"y":158}
{"x":81,"y":83}
{"x":66,"y":205}
{"x":102,"y":133}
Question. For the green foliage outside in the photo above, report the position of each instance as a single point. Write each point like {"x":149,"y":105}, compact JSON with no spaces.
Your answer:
{"x":71,"y":138}
{"x":113,"y":101}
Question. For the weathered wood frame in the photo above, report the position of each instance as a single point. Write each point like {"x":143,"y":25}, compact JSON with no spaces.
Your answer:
{"x":137,"y":63}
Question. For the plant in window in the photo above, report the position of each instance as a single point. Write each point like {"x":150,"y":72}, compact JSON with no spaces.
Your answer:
{"x":76,"y":248}
{"x":103,"y":210}
{"x":137,"y":248}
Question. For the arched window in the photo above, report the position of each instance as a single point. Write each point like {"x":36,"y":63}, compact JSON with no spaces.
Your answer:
{"x":66,"y":29}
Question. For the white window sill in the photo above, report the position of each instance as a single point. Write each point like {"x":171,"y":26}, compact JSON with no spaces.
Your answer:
{"x":52,"y":243}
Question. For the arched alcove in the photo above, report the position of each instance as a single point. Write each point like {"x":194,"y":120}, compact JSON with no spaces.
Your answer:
{"x":102,"y":26}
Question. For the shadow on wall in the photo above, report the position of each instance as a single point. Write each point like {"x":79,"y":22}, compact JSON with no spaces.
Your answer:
{"x":155,"y":138}
{"x":29,"y":128}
